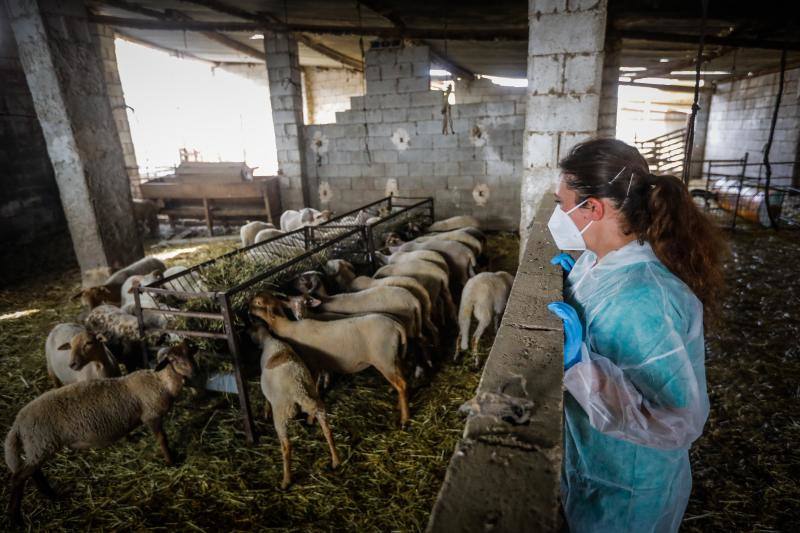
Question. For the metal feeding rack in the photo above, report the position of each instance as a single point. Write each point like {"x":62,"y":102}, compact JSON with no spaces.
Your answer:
{"x":209,"y":301}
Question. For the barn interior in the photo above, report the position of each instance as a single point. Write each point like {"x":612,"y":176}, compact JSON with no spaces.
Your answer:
{"x":402,"y":113}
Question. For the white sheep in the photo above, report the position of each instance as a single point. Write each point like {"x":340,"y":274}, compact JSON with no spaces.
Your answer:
{"x":460,"y":257}
{"x":345,"y":346}
{"x":152,"y":319}
{"x":287,"y":383}
{"x":421,"y":255}
{"x":431,"y":277}
{"x":292,"y":220}
{"x":143,"y":266}
{"x":456,"y":222}
{"x":344,"y":276}
{"x":249,"y":231}
{"x":121,"y":331}
{"x":485,"y":297}
{"x":463,"y":235}
{"x":74,"y":354}
{"x":266,"y":234}
{"x":91,"y":414}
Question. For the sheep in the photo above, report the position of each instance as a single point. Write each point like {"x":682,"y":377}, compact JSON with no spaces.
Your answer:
{"x":121,"y":331}
{"x":152,"y":319}
{"x":266,"y":234}
{"x":249,"y":231}
{"x":460,"y":257}
{"x":484,"y":296}
{"x":422,"y":255}
{"x":430,"y":276}
{"x":287,"y":383}
{"x":344,"y":276}
{"x":74,"y":354}
{"x":452,"y":223}
{"x":346,"y":346}
{"x":91,"y":414}
{"x":292,"y":220}
{"x":459,"y":235}
{"x":91,"y":297}
{"x":143,"y":266}
{"x":310,"y":282}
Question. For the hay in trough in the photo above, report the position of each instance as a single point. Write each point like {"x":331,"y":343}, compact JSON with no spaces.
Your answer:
{"x":387,"y":481}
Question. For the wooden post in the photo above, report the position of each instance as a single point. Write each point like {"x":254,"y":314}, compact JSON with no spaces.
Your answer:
{"x":209,"y":222}
{"x":266,"y":204}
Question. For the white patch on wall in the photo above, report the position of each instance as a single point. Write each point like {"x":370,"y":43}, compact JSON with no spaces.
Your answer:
{"x":478,"y":135}
{"x":400,"y":139}
{"x":325,"y":192}
{"x":391,"y":187}
{"x":319,"y":143}
{"x":480,"y":194}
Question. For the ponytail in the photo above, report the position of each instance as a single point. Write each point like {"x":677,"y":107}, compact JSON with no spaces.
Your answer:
{"x":685,"y":239}
{"x":657,"y":209}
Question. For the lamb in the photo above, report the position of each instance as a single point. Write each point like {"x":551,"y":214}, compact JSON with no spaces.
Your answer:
{"x":91,"y":414}
{"x":74,"y":354}
{"x":484,"y":296}
{"x":430,"y":276}
{"x":287,"y":383}
{"x":121,"y":331}
{"x":460,"y":257}
{"x":310,"y":282}
{"x":143,"y":266}
{"x":463,"y":235}
{"x":151,"y":319}
{"x":266,"y":234}
{"x":344,"y":276}
{"x":422,"y":255}
{"x":346,"y":346}
{"x":91,"y":297}
{"x":249,"y":231}
{"x":292,"y":220}
{"x":452,"y":223}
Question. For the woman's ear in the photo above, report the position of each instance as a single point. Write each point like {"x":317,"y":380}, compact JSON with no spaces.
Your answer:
{"x":596,"y":208}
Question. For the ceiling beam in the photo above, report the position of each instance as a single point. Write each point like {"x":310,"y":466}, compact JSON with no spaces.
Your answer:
{"x":439,"y":58}
{"x":484,"y":34}
{"x":673,"y":88}
{"x":172,"y":51}
{"x":709,"y":39}
{"x":227,"y":9}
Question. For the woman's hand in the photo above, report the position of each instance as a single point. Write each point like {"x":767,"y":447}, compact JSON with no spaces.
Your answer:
{"x":565,"y":260}
{"x":573,"y":331}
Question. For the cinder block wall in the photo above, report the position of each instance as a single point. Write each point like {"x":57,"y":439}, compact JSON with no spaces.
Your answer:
{"x":30,"y":207}
{"x":391,"y":139}
{"x":328,"y":91}
{"x":484,"y":90}
{"x":740,"y":117}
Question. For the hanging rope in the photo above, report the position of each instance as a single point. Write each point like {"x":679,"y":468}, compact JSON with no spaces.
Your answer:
{"x":447,"y":114}
{"x":363,"y":83}
{"x":767,"y":167}
{"x":687,"y":148}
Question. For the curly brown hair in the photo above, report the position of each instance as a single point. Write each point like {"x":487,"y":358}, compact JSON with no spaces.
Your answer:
{"x":657,"y":209}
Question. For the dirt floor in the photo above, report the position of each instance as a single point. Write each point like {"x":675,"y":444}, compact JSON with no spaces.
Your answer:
{"x":388,"y":478}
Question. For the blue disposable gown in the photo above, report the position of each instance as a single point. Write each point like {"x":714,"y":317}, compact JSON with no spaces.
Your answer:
{"x":637,"y":400}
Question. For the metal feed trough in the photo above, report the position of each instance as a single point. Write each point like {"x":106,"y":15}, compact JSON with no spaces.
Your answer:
{"x":209,"y":301}
{"x":393,"y":212}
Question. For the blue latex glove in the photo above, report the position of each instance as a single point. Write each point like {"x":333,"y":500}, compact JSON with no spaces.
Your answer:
{"x":565,"y":260}
{"x":573,"y":332}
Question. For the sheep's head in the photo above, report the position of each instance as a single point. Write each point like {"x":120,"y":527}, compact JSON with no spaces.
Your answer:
{"x":94,"y":296}
{"x":393,"y":239}
{"x":84,"y":348}
{"x":181,"y":358}
{"x":323,"y":216}
{"x":299,"y":305}
{"x":266,"y":307}
{"x":309,"y":282}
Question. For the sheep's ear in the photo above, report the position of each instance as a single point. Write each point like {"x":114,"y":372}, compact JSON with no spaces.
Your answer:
{"x":162,"y":364}
{"x":65,"y":346}
{"x":134,"y":284}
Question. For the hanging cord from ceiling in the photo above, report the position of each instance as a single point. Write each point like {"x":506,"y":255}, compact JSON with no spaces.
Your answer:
{"x":773,"y":223}
{"x":687,"y":147}
{"x":447,"y":112}
{"x":363,"y":83}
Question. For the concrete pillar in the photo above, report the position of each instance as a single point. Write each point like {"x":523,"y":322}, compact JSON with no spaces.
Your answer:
{"x":286,"y":97}
{"x":104,"y":36}
{"x":700,"y":131}
{"x":565,"y":61}
{"x":64,"y":74}
{"x":607,"y":122}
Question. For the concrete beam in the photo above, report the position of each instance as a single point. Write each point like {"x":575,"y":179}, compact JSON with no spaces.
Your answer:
{"x":505,"y":472}
{"x":63,"y":70}
{"x":565,"y":64}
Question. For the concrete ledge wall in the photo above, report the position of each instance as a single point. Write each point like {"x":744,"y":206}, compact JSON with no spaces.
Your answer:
{"x":505,"y":476}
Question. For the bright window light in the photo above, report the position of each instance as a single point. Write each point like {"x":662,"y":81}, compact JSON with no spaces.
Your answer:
{"x":163,"y":256}
{"x":18,"y":314}
{"x":257,"y":36}
{"x":702,"y":72}
{"x":632,"y":69}
{"x":664,"y":60}
{"x":508,"y":82}
{"x":439,"y":72}
{"x":624,"y":79}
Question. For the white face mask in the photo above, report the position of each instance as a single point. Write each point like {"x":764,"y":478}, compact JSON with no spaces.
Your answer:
{"x":564,"y":231}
